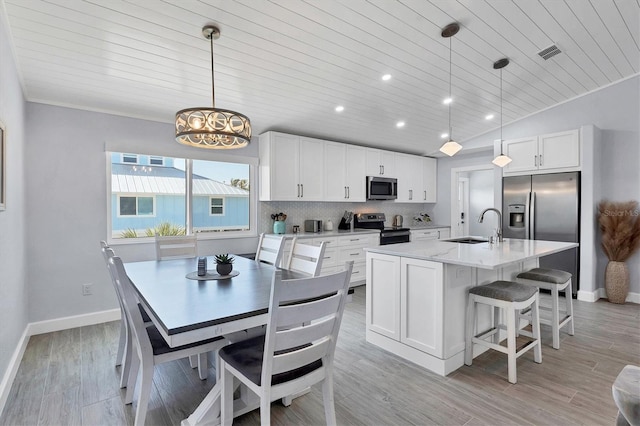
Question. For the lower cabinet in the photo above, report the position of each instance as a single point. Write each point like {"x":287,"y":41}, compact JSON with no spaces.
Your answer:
{"x":429,"y":234}
{"x":404,"y":301}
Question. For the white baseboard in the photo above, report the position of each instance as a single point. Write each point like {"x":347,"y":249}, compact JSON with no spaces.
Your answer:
{"x":601,"y":293}
{"x":65,"y":323}
{"x":48,"y":326}
{"x":12,"y":368}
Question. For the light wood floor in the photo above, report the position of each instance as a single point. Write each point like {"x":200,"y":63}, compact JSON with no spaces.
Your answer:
{"x":69,"y":378}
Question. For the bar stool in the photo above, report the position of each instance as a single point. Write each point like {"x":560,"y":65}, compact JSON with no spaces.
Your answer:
{"x":512,"y":297}
{"x":556,"y":281}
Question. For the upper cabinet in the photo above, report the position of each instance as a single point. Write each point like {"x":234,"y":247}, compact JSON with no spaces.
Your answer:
{"x":344,"y":177}
{"x":381,"y":163}
{"x":296,"y":168}
{"x":553,"y":152}
{"x":291,"y":168}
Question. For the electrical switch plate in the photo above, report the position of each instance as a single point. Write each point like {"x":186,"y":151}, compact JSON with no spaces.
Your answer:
{"x":87,"y":289}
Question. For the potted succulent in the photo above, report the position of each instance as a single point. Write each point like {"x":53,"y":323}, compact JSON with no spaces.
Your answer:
{"x":224,"y":264}
{"x":620,"y":226}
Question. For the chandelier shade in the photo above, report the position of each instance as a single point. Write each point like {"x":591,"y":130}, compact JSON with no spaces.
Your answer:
{"x":211,"y":127}
{"x":450,"y":147}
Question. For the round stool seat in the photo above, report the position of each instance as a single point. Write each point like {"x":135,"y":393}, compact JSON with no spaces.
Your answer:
{"x":508,"y":291}
{"x":553,"y":276}
{"x":626,"y":394}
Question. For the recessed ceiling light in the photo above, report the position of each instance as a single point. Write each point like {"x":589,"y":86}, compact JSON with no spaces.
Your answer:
{"x":386,"y":77}
{"x":339,"y":108}
{"x":400,"y":124}
{"x":489,"y":117}
{"x":444,"y":135}
{"x":447,"y":101}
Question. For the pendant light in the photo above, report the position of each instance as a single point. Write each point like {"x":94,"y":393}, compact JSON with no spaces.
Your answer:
{"x":211,"y":127}
{"x":451,"y":146}
{"x":501,"y":160}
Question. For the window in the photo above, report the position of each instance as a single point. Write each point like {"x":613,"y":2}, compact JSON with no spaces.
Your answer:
{"x":135,"y":206}
{"x":156,"y":161}
{"x":217,"y":206}
{"x":130,"y":158}
{"x":144,"y":201}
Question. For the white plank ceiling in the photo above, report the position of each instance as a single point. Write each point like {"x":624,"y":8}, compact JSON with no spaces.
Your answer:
{"x":288,"y":63}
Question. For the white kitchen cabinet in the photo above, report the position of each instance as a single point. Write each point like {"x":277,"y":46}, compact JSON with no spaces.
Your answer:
{"x":405,"y":301}
{"x":555,"y":152}
{"x":380,"y":163}
{"x":429,"y":179}
{"x":290,"y":167}
{"x":410,"y":178}
{"x":429,"y":234}
{"x":421,"y":305}
{"x":344,"y":172}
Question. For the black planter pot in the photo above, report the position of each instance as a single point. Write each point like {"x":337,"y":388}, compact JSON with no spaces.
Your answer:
{"x":224,"y":268}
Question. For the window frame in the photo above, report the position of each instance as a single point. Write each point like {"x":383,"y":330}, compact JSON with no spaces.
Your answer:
{"x":224,"y":202}
{"x":156,"y":158}
{"x":254,"y":207}
{"x":126,"y":154}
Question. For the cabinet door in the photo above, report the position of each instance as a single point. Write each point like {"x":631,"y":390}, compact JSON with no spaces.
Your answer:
{"x":559,"y":150}
{"x":283,"y":164}
{"x":429,"y":180}
{"x":421,"y":302}
{"x":355,"y":171}
{"x":405,"y":181}
{"x":383,"y":294}
{"x":523,"y":153}
{"x":335,"y":166}
{"x":388,"y":162}
{"x":374,"y":163}
{"x":311,"y":169}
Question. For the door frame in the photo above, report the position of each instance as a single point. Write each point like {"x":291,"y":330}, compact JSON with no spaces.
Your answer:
{"x":455,"y":171}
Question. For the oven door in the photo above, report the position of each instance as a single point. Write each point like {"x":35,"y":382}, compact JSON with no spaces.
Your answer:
{"x":394,"y":237}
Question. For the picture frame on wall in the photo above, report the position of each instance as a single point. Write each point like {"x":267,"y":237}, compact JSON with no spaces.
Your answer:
{"x":3,"y":166}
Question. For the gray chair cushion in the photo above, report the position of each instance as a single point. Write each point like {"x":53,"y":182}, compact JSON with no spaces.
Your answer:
{"x":553,"y":276}
{"x":505,"y":290}
{"x":246,"y":357}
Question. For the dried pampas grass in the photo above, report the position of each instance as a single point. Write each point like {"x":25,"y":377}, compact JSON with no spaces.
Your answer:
{"x":620,"y":226}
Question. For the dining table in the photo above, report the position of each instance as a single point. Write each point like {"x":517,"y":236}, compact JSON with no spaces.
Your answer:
{"x":187,"y":310}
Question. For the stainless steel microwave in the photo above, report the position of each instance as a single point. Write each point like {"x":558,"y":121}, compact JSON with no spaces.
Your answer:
{"x":382,"y":188}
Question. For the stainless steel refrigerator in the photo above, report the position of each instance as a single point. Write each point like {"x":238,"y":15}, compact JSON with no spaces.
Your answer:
{"x":545,"y":207}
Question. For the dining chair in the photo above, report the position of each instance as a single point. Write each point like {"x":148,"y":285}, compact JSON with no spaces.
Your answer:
{"x":306,"y":258}
{"x":107,"y":252}
{"x":176,"y":247}
{"x":298,"y":348}
{"x":270,"y":249}
{"x":150,"y":347}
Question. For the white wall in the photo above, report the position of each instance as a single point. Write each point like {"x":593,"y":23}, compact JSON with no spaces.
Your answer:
{"x":13,"y":274}
{"x":67,"y":203}
{"x":615,"y":110}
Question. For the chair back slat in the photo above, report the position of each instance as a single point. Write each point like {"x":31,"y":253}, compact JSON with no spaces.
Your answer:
{"x":176,"y":247}
{"x":293,"y":315}
{"x":306,"y":258}
{"x":307,"y":300}
{"x":270,"y":249}
{"x":303,"y":335}
{"x":296,"y":359}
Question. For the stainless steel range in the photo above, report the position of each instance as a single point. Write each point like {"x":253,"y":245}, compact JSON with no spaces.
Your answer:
{"x":388,"y":235}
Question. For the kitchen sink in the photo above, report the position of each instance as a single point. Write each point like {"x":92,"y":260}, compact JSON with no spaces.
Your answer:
{"x":468,"y":240}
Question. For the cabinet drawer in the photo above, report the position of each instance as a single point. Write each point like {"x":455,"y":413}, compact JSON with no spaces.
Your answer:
{"x":431,"y":234}
{"x":358,"y":273}
{"x":356,"y":254}
{"x":330,"y":257}
{"x":357,"y":240}
{"x":331,"y":241}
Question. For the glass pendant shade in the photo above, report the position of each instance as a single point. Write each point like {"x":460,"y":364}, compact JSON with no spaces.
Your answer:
{"x":450,"y":148}
{"x":501,"y":160}
{"x":211,"y":127}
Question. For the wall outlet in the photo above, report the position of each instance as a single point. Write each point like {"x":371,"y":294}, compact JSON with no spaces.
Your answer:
{"x":87,"y":289}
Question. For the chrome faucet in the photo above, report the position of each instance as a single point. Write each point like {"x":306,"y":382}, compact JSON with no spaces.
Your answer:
{"x":499,"y":228}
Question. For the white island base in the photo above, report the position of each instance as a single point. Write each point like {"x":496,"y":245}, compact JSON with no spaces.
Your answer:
{"x":416,"y":294}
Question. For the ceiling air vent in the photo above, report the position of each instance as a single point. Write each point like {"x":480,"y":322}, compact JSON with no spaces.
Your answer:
{"x":549,"y":52}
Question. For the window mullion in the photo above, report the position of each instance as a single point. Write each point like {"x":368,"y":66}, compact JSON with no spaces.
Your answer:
{"x":188,"y":199}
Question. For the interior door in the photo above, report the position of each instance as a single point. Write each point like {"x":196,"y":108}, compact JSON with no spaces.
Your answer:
{"x":462,"y":224}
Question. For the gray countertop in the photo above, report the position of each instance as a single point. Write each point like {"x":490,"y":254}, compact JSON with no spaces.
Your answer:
{"x":334,"y":233}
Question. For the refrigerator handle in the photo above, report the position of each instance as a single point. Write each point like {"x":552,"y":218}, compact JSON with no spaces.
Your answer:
{"x":527,"y":215}
{"x":532,"y":214}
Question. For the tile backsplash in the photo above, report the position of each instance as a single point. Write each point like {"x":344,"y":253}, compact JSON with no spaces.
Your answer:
{"x":297,"y":212}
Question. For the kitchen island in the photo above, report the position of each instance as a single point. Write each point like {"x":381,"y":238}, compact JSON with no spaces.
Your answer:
{"x":417,"y":293}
